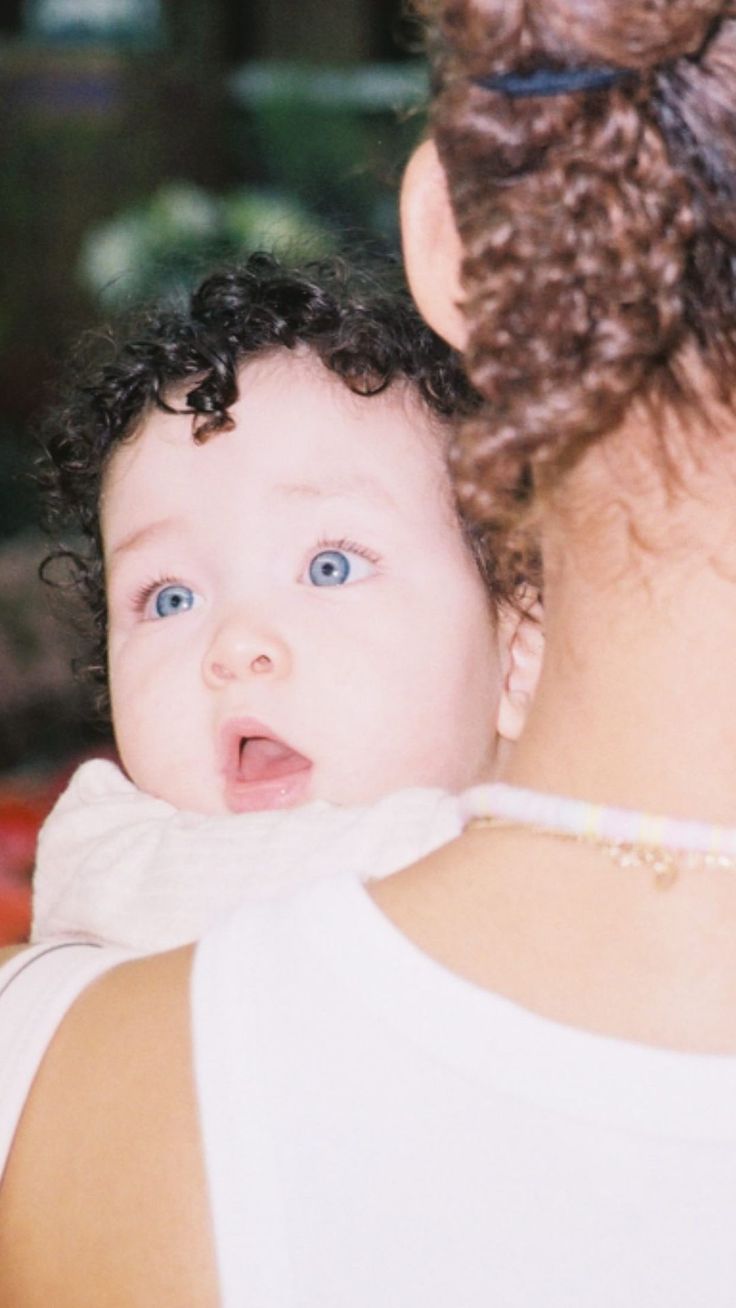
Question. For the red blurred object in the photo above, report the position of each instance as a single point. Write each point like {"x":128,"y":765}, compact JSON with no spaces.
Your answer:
{"x":23,"y":807}
{"x":20,"y":817}
{"x":15,"y":912}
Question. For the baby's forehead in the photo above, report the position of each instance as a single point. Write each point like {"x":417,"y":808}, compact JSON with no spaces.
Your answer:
{"x":304,"y":369}
{"x":294,"y":421}
{"x":265,"y":381}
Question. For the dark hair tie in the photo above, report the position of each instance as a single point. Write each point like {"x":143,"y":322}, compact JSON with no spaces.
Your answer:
{"x":553,"y":81}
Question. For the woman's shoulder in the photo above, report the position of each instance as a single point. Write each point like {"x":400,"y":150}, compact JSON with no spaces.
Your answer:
{"x":104,"y":1194}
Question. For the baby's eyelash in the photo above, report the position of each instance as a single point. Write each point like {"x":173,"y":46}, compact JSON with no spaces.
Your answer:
{"x":350,"y":546}
{"x":142,"y":595}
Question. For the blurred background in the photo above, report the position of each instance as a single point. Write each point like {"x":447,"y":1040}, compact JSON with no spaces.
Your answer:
{"x":141,"y":141}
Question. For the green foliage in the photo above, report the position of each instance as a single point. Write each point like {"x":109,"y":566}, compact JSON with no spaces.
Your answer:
{"x":165,"y":242}
{"x":335,"y":137}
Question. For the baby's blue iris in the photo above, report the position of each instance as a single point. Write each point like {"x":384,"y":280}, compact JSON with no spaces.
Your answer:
{"x":329,"y":568}
{"x":173,"y":599}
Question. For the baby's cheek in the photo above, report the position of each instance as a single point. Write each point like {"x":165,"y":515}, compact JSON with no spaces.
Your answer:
{"x":141,"y":723}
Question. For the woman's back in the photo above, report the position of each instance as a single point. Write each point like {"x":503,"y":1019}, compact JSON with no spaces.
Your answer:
{"x":379,"y":1130}
{"x":376,"y":1129}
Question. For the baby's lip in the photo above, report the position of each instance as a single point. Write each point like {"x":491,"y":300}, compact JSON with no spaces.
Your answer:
{"x":261,"y":770}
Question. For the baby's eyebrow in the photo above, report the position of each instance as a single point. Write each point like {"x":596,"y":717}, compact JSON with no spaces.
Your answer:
{"x":355,"y":487}
{"x":141,"y":536}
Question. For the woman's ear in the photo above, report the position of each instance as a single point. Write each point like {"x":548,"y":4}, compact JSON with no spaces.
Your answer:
{"x":432,"y":248}
{"x":521,"y":633}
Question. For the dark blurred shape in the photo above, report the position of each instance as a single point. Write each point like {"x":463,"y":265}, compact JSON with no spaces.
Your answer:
{"x":45,"y":715}
{"x":17,"y":493}
{"x":88,"y":129}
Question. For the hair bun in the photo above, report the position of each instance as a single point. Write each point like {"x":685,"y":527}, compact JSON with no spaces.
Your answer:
{"x":631,"y":33}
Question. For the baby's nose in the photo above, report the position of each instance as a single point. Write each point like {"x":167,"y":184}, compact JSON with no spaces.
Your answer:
{"x":239,"y":651}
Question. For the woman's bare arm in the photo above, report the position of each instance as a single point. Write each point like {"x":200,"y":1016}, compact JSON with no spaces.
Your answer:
{"x":104,"y":1199}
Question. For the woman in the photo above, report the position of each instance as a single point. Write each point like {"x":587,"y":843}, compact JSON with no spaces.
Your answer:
{"x":508,"y":1074}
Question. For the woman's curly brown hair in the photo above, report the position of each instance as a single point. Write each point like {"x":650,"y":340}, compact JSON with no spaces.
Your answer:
{"x":362,"y":325}
{"x":599,"y":227}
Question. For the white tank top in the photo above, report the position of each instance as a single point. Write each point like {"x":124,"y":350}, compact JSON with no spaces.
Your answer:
{"x":381,"y":1134}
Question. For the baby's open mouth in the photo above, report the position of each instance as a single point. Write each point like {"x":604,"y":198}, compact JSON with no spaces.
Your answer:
{"x":260,"y":770}
{"x":261,"y":758}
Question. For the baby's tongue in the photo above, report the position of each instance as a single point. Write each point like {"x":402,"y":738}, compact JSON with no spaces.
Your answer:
{"x":262,"y":759}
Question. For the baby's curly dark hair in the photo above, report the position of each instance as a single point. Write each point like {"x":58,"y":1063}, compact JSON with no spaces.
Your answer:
{"x":362,"y":325}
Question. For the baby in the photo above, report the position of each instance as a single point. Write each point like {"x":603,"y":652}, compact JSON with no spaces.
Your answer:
{"x":306,"y":656}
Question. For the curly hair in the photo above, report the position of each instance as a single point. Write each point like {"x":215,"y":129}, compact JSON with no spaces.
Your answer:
{"x":599,"y":228}
{"x":361,"y":325}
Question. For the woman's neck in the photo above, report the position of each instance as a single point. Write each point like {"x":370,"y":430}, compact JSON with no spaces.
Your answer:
{"x":637,"y":700}
{"x":637,"y":708}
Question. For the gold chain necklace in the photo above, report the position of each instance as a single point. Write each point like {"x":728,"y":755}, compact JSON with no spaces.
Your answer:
{"x":664,"y":864}
{"x":634,"y":841}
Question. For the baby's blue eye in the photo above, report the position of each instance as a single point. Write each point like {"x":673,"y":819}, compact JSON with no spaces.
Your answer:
{"x":337,"y":567}
{"x":329,"y":568}
{"x":173,"y":599}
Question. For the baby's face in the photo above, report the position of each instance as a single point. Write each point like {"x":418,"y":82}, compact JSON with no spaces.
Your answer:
{"x":293,"y":612}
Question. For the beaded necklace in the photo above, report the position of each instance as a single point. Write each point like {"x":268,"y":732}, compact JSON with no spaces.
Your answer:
{"x":665,"y":846}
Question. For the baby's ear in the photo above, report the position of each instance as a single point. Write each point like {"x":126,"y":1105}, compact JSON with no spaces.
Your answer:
{"x":521,"y":637}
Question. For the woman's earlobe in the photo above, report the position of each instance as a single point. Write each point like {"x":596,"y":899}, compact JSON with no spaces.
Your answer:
{"x":433,"y":251}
